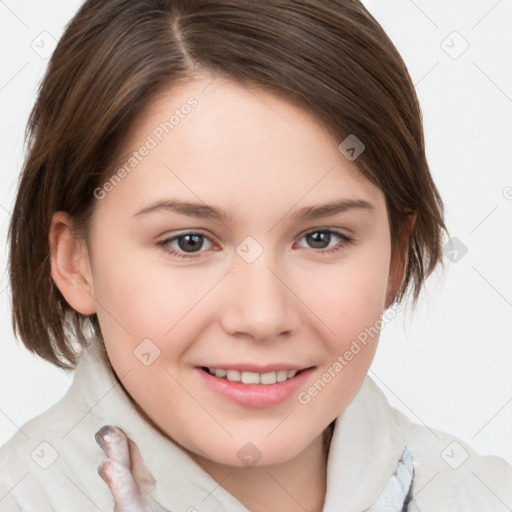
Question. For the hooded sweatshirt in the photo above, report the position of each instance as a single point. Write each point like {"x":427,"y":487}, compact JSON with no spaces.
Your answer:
{"x":379,"y":460}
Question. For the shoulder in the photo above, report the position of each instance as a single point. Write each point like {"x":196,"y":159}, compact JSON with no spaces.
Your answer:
{"x":40,"y":465}
{"x":449,"y":473}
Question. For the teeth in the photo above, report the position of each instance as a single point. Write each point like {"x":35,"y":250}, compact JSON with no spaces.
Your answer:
{"x":253,"y":377}
{"x":268,"y":378}
{"x":250,"y":377}
{"x":233,"y":375}
{"x":282,"y":375}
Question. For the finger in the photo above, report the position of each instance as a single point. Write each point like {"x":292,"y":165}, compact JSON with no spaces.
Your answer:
{"x":121,"y":485}
{"x":143,"y":478}
{"x":140,"y":472}
{"x":115,"y":470}
{"x":125,"y":472}
{"x":114,"y":443}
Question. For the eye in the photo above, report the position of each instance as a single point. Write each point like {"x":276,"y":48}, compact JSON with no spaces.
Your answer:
{"x":187,"y":244}
{"x":321,"y":238}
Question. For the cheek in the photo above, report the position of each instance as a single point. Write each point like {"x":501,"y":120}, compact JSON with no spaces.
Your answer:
{"x":353,"y":296}
{"x":353,"y":310}
{"x":145,"y":296}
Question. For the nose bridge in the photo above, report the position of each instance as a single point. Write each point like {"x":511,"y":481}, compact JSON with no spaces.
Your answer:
{"x":261,"y":305}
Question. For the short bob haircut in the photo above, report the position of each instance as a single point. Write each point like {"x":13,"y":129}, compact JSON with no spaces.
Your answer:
{"x":331,"y":58}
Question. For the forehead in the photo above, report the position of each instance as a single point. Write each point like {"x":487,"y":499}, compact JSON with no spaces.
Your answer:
{"x":218,"y":141}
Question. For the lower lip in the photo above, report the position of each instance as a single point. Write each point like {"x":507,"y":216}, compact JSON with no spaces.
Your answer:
{"x":255,"y":395}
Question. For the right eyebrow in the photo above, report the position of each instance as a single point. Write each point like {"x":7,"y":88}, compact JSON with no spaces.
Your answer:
{"x":188,"y":208}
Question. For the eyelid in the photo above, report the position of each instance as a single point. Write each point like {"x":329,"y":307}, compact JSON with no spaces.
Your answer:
{"x":165,"y":243}
{"x":338,"y":231}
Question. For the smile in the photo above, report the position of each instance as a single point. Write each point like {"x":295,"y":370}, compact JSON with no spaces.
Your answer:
{"x":253,"y":377}
{"x":269,"y":387}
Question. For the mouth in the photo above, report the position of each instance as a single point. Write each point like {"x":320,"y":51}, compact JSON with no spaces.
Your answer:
{"x":248,"y":377}
{"x":249,"y":388}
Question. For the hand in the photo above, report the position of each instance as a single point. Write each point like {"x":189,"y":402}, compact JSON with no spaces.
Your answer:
{"x":125,"y":472}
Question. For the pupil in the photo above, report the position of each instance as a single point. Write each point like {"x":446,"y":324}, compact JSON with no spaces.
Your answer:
{"x":193,"y":241}
{"x":319,"y":237}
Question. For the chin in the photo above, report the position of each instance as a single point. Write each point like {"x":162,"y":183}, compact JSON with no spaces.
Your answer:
{"x":259,"y":452}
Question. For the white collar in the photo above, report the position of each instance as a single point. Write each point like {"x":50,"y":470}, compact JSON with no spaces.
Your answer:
{"x":367,"y":468}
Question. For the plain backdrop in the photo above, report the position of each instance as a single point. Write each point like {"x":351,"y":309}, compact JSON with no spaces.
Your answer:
{"x":447,"y":364}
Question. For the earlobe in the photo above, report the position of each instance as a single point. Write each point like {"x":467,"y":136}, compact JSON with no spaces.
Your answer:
{"x":70,"y":265}
{"x":399,"y":260}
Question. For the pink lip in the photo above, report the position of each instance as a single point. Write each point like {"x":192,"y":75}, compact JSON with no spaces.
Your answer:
{"x":249,"y":367}
{"x":255,"y":395}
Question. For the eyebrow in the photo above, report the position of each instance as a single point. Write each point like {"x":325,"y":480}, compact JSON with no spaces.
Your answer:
{"x":204,"y":211}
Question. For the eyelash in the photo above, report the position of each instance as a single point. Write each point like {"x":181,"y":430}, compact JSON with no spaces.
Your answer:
{"x":345,"y":241}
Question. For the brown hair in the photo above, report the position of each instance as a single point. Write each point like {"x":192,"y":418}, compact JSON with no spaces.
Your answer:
{"x":330,"y":57}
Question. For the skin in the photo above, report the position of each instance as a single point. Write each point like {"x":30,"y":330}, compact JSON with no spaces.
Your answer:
{"x":260,"y":158}
{"x":125,"y":472}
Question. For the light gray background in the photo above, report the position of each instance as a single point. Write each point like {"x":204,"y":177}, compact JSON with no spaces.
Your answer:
{"x":448,"y":365}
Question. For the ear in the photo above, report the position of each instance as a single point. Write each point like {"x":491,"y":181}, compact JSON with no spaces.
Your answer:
{"x":399,"y":259}
{"x":70,"y":265}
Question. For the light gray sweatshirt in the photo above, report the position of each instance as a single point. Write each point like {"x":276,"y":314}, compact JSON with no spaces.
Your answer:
{"x":51,"y":463}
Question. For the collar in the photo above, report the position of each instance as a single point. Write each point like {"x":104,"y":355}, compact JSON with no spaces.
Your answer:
{"x":368,"y":469}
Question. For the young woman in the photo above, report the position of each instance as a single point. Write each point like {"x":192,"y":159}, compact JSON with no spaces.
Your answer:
{"x":220,"y":201}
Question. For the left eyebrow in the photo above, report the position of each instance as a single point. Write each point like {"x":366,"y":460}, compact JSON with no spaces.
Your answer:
{"x":331,"y":208}
{"x":205,"y":211}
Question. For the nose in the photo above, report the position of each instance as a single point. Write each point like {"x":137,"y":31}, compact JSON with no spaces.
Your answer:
{"x":260,"y":301}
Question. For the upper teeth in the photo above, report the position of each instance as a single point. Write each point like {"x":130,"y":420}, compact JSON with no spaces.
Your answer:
{"x":253,"y":377}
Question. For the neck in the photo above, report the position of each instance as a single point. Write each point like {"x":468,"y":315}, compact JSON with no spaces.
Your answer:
{"x":295,"y":485}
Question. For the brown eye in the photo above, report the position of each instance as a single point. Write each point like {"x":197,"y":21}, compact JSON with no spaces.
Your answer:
{"x":318,"y":239}
{"x":186,"y":245}
{"x":190,"y":243}
{"x":322,"y":238}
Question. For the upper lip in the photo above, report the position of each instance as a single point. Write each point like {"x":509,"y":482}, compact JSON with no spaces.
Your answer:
{"x":249,"y":367}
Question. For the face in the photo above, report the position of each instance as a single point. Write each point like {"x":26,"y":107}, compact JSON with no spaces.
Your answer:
{"x":211,"y":252}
